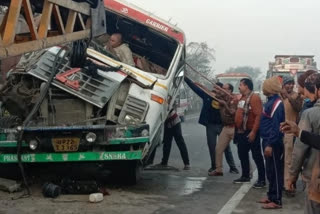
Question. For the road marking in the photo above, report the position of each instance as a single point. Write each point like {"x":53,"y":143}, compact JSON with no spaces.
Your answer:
{"x":229,"y":207}
{"x":192,"y":117}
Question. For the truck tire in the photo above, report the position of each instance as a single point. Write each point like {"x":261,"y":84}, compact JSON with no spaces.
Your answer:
{"x":127,"y":172}
{"x":133,"y":172}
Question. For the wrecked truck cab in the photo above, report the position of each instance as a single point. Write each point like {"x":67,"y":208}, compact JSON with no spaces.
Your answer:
{"x":104,"y":111}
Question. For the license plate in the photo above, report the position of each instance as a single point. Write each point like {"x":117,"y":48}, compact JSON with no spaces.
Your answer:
{"x":65,"y":144}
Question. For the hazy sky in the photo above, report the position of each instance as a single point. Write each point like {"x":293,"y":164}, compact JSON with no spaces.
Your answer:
{"x":245,"y":32}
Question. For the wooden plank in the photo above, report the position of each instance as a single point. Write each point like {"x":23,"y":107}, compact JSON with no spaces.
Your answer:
{"x":45,"y":19}
{"x":3,"y":24}
{"x":18,"y":49}
{"x":83,"y":8}
{"x":10,"y":28}
{"x":30,"y":19}
{"x":81,"y":21}
{"x":57,"y":15}
{"x":71,"y":21}
{"x":3,"y":53}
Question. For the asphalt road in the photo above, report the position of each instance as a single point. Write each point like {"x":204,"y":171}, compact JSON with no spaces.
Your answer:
{"x":159,"y":191}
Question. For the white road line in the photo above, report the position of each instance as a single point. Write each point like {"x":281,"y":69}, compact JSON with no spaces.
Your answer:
{"x":238,"y":196}
{"x":193,"y":117}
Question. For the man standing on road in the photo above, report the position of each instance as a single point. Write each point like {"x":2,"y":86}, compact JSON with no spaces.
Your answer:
{"x":293,"y":104}
{"x":272,"y":140}
{"x":172,"y":130}
{"x":303,"y":156}
{"x":228,"y":107}
{"x":247,"y":134}
{"x":211,"y":119}
{"x":307,"y":103}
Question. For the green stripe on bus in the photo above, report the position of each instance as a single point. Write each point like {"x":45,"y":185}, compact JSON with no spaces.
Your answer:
{"x":72,"y":157}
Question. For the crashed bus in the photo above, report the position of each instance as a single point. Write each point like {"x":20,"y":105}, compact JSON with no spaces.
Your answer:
{"x":104,"y":111}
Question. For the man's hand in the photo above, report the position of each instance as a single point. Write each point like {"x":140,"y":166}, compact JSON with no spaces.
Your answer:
{"x":222,"y":102}
{"x":290,"y":127}
{"x":251,"y":136}
{"x":291,"y":185}
{"x":268,"y":151}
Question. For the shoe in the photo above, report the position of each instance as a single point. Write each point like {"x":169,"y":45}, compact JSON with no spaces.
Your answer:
{"x":215,"y":173}
{"x":259,"y":185}
{"x":234,"y":171}
{"x":241,"y":180}
{"x":186,"y":167}
{"x":211,"y":169}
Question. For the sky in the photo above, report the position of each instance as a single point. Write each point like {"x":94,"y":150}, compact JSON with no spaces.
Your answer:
{"x":245,"y":32}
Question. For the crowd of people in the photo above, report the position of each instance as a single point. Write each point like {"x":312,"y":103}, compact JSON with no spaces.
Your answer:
{"x":283,"y":134}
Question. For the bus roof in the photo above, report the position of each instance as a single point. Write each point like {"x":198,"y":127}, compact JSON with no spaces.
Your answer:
{"x":233,"y":75}
{"x":129,"y":10}
{"x":301,"y":56}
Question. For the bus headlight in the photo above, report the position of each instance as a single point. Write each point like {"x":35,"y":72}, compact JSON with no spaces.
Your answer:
{"x":91,"y":137}
{"x":131,"y":120}
{"x":33,"y":144}
{"x":145,"y":133}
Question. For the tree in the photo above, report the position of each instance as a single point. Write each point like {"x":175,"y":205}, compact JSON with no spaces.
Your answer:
{"x":201,"y":57}
{"x":254,"y":72}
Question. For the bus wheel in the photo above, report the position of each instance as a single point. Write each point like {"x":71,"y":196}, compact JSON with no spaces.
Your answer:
{"x":129,"y":172}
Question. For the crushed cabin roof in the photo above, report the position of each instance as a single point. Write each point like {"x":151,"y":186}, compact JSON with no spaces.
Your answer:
{"x":138,"y":14}
{"x":232,"y":75}
{"x":302,"y":56}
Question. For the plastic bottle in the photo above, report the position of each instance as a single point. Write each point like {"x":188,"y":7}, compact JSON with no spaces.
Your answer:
{"x":96,"y":197}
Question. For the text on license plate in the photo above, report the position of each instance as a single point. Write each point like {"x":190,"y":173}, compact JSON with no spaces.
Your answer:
{"x":65,"y":144}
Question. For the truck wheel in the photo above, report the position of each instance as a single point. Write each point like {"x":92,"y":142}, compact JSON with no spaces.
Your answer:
{"x":133,"y":172}
{"x":127,"y":172}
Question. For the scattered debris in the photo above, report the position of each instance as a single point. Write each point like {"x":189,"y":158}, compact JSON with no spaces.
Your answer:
{"x":70,"y":186}
{"x":96,"y":197}
{"x":51,"y":190}
{"x":9,"y":185}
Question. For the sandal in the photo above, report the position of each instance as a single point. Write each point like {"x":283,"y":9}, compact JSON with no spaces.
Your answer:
{"x":264,"y":201}
{"x":271,"y":206}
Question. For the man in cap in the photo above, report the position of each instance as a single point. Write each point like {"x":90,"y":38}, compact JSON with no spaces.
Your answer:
{"x":307,"y":103}
{"x":292,"y":104}
{"x":272,"y":141}
{"x":303,"y":156}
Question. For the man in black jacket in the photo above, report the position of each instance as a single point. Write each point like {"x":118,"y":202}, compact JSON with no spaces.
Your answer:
{"x":211,"y":119}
